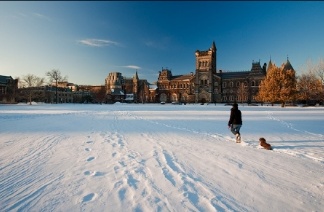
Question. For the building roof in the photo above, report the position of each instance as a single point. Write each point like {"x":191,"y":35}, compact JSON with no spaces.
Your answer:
{"x":4,"y":79}
{"x":182,"y":77}
{"x":232,"y":75}
{"x":288,"y":66}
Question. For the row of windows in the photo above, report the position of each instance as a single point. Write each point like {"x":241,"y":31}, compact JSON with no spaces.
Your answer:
{"x":236,"y":98}
{"x":204,"y":82}
{"x":203,"y":64}
{"x":64,"y":94}
{"x":233,"y":98}
{"x":231,"y":84}
{"x":2,"y":90}
{"x":174,"y":86}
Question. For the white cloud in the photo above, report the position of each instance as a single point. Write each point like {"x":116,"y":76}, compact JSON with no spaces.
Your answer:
{"x":41,"y":16}
{"x":97,"y":42}
{"x":132,"y":67}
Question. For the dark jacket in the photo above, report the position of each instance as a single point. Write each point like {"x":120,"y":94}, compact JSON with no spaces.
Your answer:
{"x":235,"y":117}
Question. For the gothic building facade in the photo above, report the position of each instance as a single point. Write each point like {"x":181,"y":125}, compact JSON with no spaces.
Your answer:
{"x":204,"y":85}
{"x":209,"y":85}
{"x":119,"y":88}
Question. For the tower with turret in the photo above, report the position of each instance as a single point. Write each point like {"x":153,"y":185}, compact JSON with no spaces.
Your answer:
{"x":205,"y":72}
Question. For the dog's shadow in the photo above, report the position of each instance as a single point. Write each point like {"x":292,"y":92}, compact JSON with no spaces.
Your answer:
{"x":294,"y":145}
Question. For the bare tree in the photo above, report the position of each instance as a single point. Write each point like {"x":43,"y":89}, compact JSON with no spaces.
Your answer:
{"x":31,"y":81}
{"x":309,"y":87}
{"x":55,"y":76}
{"x":320,"y":70}
{"x":311,"y":82}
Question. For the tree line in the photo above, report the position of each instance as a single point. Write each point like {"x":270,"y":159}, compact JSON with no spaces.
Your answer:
{"x":31,"y":80}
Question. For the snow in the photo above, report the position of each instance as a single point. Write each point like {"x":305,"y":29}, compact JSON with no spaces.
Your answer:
{"x":153,"y":157}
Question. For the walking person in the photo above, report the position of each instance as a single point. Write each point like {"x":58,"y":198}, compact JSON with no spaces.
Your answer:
{"x":235,"y":122}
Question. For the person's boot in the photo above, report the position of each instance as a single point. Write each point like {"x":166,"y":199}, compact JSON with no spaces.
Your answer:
{"x":238,"y":138}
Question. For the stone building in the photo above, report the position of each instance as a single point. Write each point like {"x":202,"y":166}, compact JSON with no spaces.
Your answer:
{"x":242,"y":86}
{"x":46,"y":94}
{"x":119,"y":88}
{"x":207,"y":85}
{"x":8,"y":89}
{"x":204,"y":85}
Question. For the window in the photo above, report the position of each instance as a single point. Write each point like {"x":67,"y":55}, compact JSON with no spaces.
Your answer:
{"x":231,"y":84}
{"x":237,"y":84}
{"x":224,"y":84}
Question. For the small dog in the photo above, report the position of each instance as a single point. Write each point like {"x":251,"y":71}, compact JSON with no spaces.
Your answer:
{"x":264,"y":144}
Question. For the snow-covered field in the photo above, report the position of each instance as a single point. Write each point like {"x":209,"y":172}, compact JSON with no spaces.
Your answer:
{"x":152,"y":157}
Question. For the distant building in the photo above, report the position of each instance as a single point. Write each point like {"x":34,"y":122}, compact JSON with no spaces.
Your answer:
{"x":242,"y":86}
{"x":8,"y":89}
{"x":119,"y":88}
{"x":204,"y":85}
{"x":207,"y":85}
{"x":46,"y":94}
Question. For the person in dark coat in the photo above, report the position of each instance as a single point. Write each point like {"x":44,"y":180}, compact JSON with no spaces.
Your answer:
{"x":235,"y":122}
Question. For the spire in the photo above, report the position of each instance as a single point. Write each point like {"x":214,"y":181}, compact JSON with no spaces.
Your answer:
{"x":213,"y":46}
{"x":288,"y":65}
{"x":135,"y":76}
{"x":270,"y":64}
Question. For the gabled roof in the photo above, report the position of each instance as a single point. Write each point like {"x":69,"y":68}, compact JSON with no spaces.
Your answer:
{"x":287,"y":66}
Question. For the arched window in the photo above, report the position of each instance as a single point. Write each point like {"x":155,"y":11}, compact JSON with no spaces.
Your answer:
{"x":231,"y":84}
{"x":224,"y":84}
{"x":237,"y":84}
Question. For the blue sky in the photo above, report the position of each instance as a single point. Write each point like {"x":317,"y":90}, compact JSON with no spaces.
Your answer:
{"x":86,"y":40}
